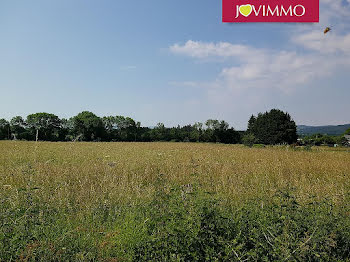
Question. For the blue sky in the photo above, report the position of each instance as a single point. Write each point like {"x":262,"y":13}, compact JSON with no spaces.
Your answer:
{"x":170,"y":61}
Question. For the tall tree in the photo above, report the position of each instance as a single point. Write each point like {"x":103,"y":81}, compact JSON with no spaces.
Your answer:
{"x":160,"y":133}
{"x":273,"y":127}
{"x":44,"y":126}
{"x":87,"y":126}
{"x":251,"y":123}
{"x":18,"y":128}
{"x":4,"y":129}
{"x":66,"y":130}
{"x":111,"y":127}
{"x":220,"y":132}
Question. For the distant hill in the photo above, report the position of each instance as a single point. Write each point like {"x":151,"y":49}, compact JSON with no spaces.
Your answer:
{"x":329,"y":130}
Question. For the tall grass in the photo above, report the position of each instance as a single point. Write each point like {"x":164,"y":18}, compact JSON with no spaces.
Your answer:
{"x":172,"y":202}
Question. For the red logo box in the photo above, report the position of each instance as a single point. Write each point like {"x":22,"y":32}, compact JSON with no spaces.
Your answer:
{"x":292,"y":11}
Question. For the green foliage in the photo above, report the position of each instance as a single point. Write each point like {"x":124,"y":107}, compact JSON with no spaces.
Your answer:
{"x":88,"y":126}
{"x":195,"y":228}
{"x":181,"y":223}
{"x":4,"y":129}
{"x":66,"y":130}
{"x":214,"y":131}
{"x":249,"y":139}
{"x":44,"y":125}
{"x":119,"y":128}
{"x":251,"y":123}
{"x":319,"y":139}
{"x":273,"y":127}
{"x":18,"y":128}
{"x":160,"y":133}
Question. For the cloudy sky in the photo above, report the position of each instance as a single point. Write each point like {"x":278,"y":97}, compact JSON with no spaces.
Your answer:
{"x":171,"y":61}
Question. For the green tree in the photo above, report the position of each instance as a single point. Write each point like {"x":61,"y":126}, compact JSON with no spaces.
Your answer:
{"x":130,"y":129}
{"x":121,"y":128}
{"x":18,"y":128}
{"x":249,"y":139}
{"x":209,"y":133}
{"x":220,"y":132}
{"x":251,"y":124}
{"x":65,"y":132}
{"x":196,"y":132}
{"x":111,"y":127}
{"x":4,"y":129}
{"x":160,"y":133}
{"x":44,"y":126}
{"x":347,"y":132}
{"x":87,"y":126}
{"x":273,"y":127}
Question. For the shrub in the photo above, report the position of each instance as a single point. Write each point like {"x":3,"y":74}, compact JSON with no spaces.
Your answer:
{"x":249,"y":140}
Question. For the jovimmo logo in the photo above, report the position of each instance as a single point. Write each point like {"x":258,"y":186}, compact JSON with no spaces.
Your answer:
{"x":305,"y":11}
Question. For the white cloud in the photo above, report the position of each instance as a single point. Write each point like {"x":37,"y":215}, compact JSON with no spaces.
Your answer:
{"x":259,"y":68}
{"x":329,"y":43}
{"x":222,"y":49}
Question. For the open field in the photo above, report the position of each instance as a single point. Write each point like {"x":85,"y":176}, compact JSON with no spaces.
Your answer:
{"x":91,"y":172}
{"x":106,"y":201}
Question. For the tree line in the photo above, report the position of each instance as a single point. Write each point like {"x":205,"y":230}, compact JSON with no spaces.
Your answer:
{"x":273,"y":127}
{"x":322,"y":139}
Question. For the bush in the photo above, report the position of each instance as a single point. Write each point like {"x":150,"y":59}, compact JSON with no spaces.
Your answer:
{"x":249,"y":140}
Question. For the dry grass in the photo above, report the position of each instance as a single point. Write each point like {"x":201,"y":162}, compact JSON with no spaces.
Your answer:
{"x":111,"y":202}
{"x":88,"y":174}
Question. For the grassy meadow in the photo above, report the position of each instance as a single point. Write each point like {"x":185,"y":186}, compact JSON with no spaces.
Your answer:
{"x":173,"y":202}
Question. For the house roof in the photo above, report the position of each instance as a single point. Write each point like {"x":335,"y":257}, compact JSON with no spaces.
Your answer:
{"x":347,"y":137}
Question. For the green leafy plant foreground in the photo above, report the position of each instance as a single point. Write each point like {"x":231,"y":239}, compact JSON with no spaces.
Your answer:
{"x":180,"y":223}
